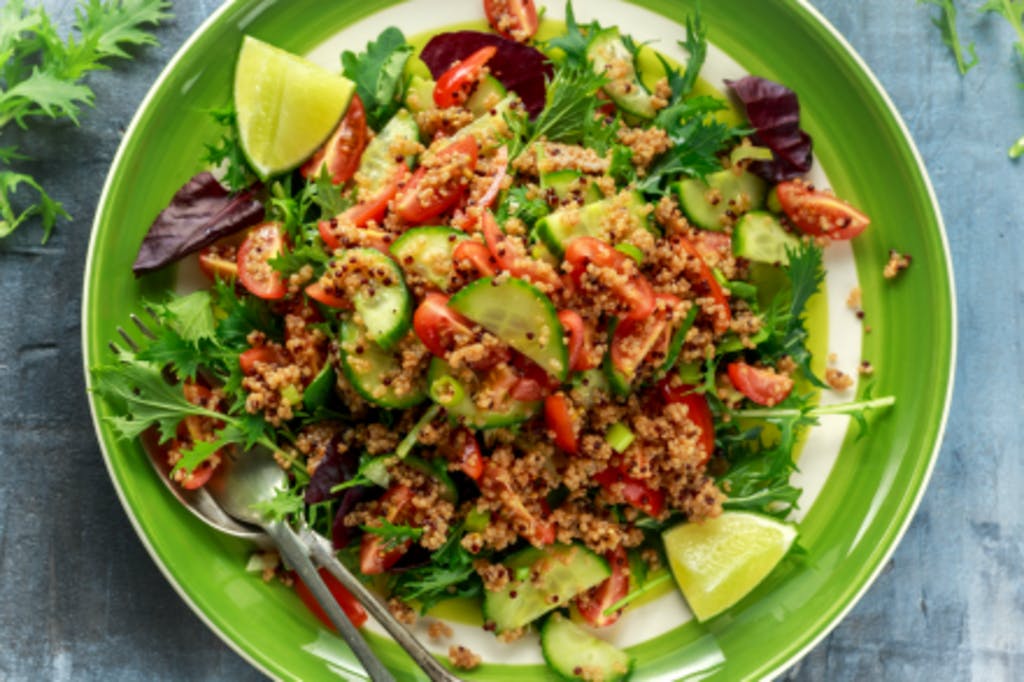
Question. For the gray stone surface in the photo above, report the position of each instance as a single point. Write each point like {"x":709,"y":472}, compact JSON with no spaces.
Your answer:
{"x":81,"y":600}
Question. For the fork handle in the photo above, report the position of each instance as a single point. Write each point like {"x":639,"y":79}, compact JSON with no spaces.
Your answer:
{"x":323,"y":555}
{"x":297,"y":556}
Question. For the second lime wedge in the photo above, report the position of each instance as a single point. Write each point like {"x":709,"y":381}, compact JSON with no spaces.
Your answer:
{"x":286,"y":105}
{"x":718,"y":562}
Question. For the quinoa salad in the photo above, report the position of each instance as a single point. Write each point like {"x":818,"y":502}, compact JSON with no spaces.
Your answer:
{"x":532,"y":305}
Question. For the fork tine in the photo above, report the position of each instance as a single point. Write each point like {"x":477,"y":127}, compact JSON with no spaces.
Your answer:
{"x":142,"y":326}
{"x":128,"y":339}
{"x":114,"y":347}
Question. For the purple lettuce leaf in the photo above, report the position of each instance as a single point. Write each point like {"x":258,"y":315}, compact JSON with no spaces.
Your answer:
{"x":774,"y":112}
{"x":200,"y":213}
{"x":520,"y":68}
{"x":336,"y":467}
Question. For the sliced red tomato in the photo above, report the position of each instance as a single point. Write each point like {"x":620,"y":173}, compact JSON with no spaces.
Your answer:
{"x":199,"y":476}
{"x":343,"y":149}
{"x":705,"y":284}
{"x":324,"y":292}
{"x":635,"y":491}
{"x":819,"y":213}
{"x":471,"y":459}
{"x":414,"y":208}
{"x":455,"y":85}
{"x":352,"y":608}
{"x":514,"y":19}
{"x":559,"y":419}
{"x":219,"y":262}
{"x":477,"y":255}
{"x":698,"y":409}
{"x":713,"y":246}
{"x":572,"y":323}
{"x":248,"y":359}
{"x":634,"y":340}
{"x":593,"y":603}
{"x":370,"y":210}
{"x":263,"y":243}
{"x":635,"y":291}
{"x":375,"y":554}
{"x":531,"y":381}
{"x":762,"y":385}
{"x":437,"y":325}
{"x":506,"y":258}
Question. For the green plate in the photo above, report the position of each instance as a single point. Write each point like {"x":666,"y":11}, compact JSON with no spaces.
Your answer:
{"x":863,"y":505}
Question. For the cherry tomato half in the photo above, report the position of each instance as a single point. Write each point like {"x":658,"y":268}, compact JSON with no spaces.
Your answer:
{"x":507,"y":260}
{"x":762,"y":385}
{"x":698,"y":410}
{"x":592,"y":603}
{"x":559,"y":419}
{"x":514,"y":19}
{"x":341,"y":153}
{"x":634,"y":340}
{"x":476,"y":255}
{"x":375,"y":555}
{"x":219,"y":262}
{"x":324,"y":292}
{"x":454,"y":85}
{"x":437,"y":325}
{"x":819,"y":213}
{"x":263,"y":243}
{"x":267,"y":354}
{"x":352,"y":608}
{"x":416,"y":209}
{"x":633,"y":289}
{"x":372,"y":209}
{"x":635,"y":491}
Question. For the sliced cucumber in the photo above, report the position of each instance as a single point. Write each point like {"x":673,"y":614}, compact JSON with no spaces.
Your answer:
{"x":467,"y":411}
{"x":419,"y":95}
{"x":519,"y":314}
{"x":707,"y":203}
{"x":559,"y":228}
{"x":367,"y":367}
{"x":488,"y":128}
{"x":378,"y":163}
{"x":555,"y":575}
{"x":759,"y":236}
{"x":488,"y":93}
{"x":561,"y":182}
{"x":427,"y":252}
{"x":382,"y":299}
{"x":574,"y":653}
{"x":609,"y":57}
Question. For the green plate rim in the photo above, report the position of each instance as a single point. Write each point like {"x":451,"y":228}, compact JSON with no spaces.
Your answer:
{"x":893,"y":532}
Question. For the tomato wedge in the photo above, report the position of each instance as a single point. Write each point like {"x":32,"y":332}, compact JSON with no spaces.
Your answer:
{"x":375,"y":554}
{"x":341,"y":153}
{"x":263,"y":243}
{"x":455,"y":85}
{"x":635,"y":491}
{"x":818,"y":212}
{"x":419,"y":201}
{"x":370,"y":210}
{"x":559,"y":419}
{"x":633,"y":289}
{"x":699,"y":411}
{"x":437,"y":325}
{"x":325,"y":293}
{"x":762,"y":385}
{"x":477,"y":255}
{"x":219,"y":262}
{"x":514,"y":19}
{"x":592,"y":603}
{"x":634,"y":340}
{"x":705,"y":284}
{"x":248,"y":359}
{"x":352,"y":608}
{"x":471,"y":459}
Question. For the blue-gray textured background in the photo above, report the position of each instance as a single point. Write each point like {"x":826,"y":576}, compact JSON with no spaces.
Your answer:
{"x":81,"y":600}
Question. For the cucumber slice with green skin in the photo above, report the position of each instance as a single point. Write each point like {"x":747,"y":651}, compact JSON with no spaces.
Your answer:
{"x":366,"y":366}
{"x":383,"y":301}
{"x":487,"y":94}
{"x":708,"y":203}
{"x":467,"y":411}
{"x":589,"y":387}
{"x":378,"y":163}
{"x":319,"y":389}
{"x":419,"y":94}
{"x":519,"y":314}
{"x":557,"y":229}
{"x":759,"y":236}
{"x":576,"y":654}
{"x":438,"y":473}
{"x":488,"y":128}
{"x":427,"y":252}
{"x":554,"y":576}
{"x":608,"y":55}
{"x":560,"y":181}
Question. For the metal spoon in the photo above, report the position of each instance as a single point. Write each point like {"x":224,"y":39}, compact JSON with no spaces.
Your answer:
{"x":239,"y":486}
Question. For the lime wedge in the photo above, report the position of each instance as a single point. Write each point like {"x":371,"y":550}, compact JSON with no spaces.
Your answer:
{"x":287,"y":106}
{"x":718,"y":562}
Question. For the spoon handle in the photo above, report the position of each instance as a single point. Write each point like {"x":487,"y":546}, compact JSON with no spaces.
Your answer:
{"x":323,"y":555}
{"x":296,"y":554}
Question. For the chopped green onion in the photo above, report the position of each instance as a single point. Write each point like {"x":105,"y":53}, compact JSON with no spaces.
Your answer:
{"x":447,"y":391}
{"x":744,"y":152}
{"x":743,"y":290}
{"x":477,"y":520}
{"x":690,"y":373}
{"x":376,"y":471}
{"x":522,"y":573}
{"x":1017,"y":149}
{"x":631,"y":251}
{"x":291,"y":395}
{"x":619,"y":437}
{"x":409,"y":442}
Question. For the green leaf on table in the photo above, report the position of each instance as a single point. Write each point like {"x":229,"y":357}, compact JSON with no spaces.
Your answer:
{"x":946,"y":23}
